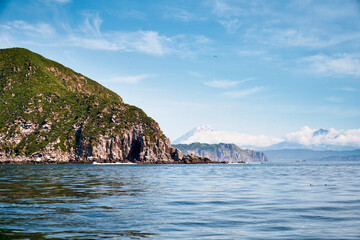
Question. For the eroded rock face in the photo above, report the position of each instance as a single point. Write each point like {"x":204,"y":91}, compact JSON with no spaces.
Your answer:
{"x":49,"y":155}
{"x":131,"y":146}
{"x":17,"y":130}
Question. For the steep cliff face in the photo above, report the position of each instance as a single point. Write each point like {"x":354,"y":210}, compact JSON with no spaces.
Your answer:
{"x":132,"y":145}
{"x":51,"y":114}
{"x":222,"y":152}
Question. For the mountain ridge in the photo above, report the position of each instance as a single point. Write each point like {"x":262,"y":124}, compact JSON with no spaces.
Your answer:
{"x":308,"y":154}
{"x":222,"y":152}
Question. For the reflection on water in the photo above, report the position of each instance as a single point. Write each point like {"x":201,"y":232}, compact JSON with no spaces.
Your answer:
{"x":61,"y":182}
{"x":64,"y":200}
{"x":6,"y":234}
{"x":287,"y":201}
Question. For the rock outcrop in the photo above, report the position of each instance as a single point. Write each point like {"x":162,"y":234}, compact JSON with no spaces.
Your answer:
{"x":132,"y":146}
{"x":51,"y":114}
{"x":222,"y":152}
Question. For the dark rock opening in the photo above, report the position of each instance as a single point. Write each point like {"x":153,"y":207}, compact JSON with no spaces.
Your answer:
{"x":78,"y":137}
{"x":135,"y":150}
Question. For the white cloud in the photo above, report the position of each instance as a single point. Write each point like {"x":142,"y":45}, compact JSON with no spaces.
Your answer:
{"x":43,"y":29}
{"x":91,"y":25}
{"x":308,"y":136}
{"x":302,"y":137}
{"x":195,"y":74}
{"x":334,"y":99}
{"x":248,"y":53}
{"x":243,"y":93}
{"x":150,"y":42}
{"x":349,"y":89}
{"x":231,"y":25}
{"x":226,"y":83}
{"x":90,"y":43}
{"x":206,"y":134}
{"x":344,"y":65}
{"x":56,"y":1}
{"x":136,"y":14}
{"x":294,"y":24}
{"x":181,"y":14}
{"x":222,"y":9}
{"x":188,"y":45}
{"x":129,"y":79}
{"x":228,"y":15}
{"x":62,"y":1}
{"x":292,"y":37}
{"x":90,"y":35}
{"x":222,"y":83}
{"x":309,"y":38}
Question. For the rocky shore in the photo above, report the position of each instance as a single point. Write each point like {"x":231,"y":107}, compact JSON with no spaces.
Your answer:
{"x":131,"y":146}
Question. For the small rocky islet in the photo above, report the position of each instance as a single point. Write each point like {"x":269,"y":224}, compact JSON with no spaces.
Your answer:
{"x":51,"y":114}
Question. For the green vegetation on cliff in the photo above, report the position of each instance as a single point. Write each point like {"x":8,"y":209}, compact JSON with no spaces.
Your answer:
{"x":54,"y":104}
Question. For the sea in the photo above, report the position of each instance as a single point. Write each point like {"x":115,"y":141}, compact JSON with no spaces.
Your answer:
{"x":285,"y":200}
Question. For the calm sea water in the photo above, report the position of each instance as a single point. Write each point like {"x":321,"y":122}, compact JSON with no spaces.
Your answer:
{"x":268,"y":201}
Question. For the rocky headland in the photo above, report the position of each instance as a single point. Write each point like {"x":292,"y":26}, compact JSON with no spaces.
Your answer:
{"x":51,"y":114}
{"x":222,"y":152}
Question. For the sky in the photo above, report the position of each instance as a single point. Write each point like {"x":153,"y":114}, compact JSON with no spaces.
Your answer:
{"x":268,"y":68}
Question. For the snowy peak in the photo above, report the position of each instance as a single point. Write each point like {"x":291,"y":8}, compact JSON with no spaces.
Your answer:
{"x":200,"y":132}
{"x":207,"y":134}
{"x":203,"y":128}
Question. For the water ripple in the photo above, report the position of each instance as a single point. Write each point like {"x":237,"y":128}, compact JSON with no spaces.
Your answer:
{"x":268,"y":201}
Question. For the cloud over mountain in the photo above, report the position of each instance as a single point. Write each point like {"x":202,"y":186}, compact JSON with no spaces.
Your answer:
{"x":306,"y":137}
{"x":206,"y":134}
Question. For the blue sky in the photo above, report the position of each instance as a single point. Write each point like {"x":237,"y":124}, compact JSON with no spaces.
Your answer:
{"x":253,"y":67}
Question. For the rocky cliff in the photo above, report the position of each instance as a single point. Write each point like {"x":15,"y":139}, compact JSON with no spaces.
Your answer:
{"x":51,"y":114}
{"x":222,"y":152}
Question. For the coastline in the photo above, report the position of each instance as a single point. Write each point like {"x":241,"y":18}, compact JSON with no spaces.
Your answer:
{"x":112,"y":162}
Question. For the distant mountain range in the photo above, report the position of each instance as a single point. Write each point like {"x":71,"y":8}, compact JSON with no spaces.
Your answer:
{"x":289,"y":145}
{"x":308,"y":154}
{"x":222,"y":152}
{"x":314,"y":139}
{"x":306,"y":144}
